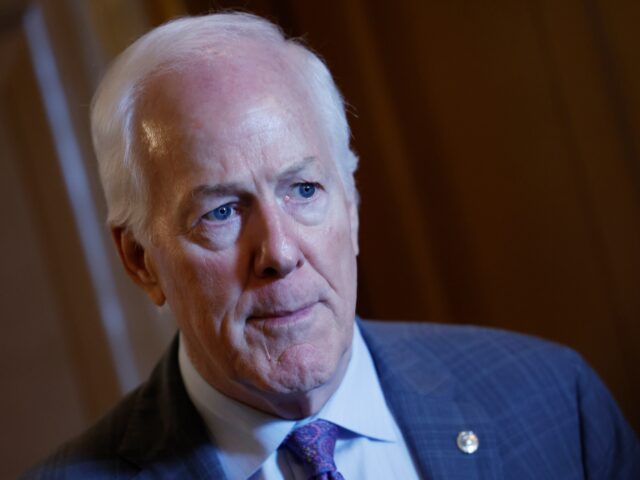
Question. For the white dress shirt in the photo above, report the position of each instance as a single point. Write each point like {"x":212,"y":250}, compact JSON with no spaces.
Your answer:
{"x":370,"y":444}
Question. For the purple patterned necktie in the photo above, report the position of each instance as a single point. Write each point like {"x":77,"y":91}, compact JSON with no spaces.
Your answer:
{"x":313,"y":445}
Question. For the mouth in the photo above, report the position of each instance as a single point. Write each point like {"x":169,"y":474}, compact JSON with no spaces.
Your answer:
{"x":282,"y":317}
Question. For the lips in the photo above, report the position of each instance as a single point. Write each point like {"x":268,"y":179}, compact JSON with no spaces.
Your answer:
{"x":280,"y":315}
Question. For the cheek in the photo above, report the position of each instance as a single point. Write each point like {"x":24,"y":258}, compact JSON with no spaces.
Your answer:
{"x":339,"y":239}
{"x":333,"y":256}
{"x":201,"y":288}
{"x":204,"y":297}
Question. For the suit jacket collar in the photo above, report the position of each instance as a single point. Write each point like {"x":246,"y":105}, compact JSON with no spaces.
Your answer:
{"x":165,"y":436}
{"x":430,"y":406}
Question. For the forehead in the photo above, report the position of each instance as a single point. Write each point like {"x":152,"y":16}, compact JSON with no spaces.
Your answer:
{"x":218,"y":90}
{"x":219,"y":115}
{"x":218,"y":85}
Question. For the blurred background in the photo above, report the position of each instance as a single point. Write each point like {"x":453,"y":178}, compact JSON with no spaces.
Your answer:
{"x":499,"y":175}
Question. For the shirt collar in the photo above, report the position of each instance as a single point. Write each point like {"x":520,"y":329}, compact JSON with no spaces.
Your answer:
{"x":246,"y":437}
{"x":359,"y":398}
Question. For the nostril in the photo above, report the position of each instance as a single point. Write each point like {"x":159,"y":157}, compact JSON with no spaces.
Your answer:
{"x":269,"y":272}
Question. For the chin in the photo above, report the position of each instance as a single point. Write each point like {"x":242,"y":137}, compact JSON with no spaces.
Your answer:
{"x":302,"y":371}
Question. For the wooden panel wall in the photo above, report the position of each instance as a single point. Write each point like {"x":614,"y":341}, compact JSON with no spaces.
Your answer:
{"x":48,"y":392}
{"x":58,"y":361}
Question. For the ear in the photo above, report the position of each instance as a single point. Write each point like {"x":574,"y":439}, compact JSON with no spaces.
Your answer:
{"x":137,"y":263}
{"x":354,"y":219}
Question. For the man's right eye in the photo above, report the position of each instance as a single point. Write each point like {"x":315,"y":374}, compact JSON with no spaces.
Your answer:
{"x":221,"y":213}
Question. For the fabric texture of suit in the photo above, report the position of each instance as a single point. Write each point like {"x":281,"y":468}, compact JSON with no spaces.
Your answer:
{"x":538,"y":410}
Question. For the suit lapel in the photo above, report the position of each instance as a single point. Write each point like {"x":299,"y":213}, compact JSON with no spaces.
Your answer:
{"x":165,"y":436}
{"x":430,"y":407}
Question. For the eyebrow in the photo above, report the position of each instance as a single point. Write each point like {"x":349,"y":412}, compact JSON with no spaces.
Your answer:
{"x":298,"y":167}
{"x":219,"y":190}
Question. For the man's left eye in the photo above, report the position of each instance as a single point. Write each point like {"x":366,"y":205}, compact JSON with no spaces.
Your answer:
{"x":306,"y":190}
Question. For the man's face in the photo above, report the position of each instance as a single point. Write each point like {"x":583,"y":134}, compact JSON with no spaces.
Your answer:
{"x":253,"y":235}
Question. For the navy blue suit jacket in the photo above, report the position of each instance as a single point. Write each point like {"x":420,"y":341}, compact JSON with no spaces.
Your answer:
{"x":538,"y":410}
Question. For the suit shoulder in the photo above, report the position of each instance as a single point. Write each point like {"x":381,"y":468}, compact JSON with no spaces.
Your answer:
{"x":461,"y":341}
{"x":480,"y":360}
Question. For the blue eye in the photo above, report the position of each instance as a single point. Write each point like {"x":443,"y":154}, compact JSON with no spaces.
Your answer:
{"x":221,"y":213}
{"x":306,"y":190}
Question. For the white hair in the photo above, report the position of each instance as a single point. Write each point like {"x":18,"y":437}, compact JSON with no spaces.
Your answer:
{"x":172,"y":45}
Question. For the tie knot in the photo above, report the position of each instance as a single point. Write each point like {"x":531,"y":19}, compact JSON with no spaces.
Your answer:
{"x":313,"y":445}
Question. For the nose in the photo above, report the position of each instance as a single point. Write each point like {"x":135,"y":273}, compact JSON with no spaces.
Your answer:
{"x":277,"y":252}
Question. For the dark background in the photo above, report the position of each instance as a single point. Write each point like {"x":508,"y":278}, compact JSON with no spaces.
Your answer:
{"x":499,"y":176}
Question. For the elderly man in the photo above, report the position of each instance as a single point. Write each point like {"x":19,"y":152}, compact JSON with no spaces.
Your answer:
{"x":224,"y":155}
